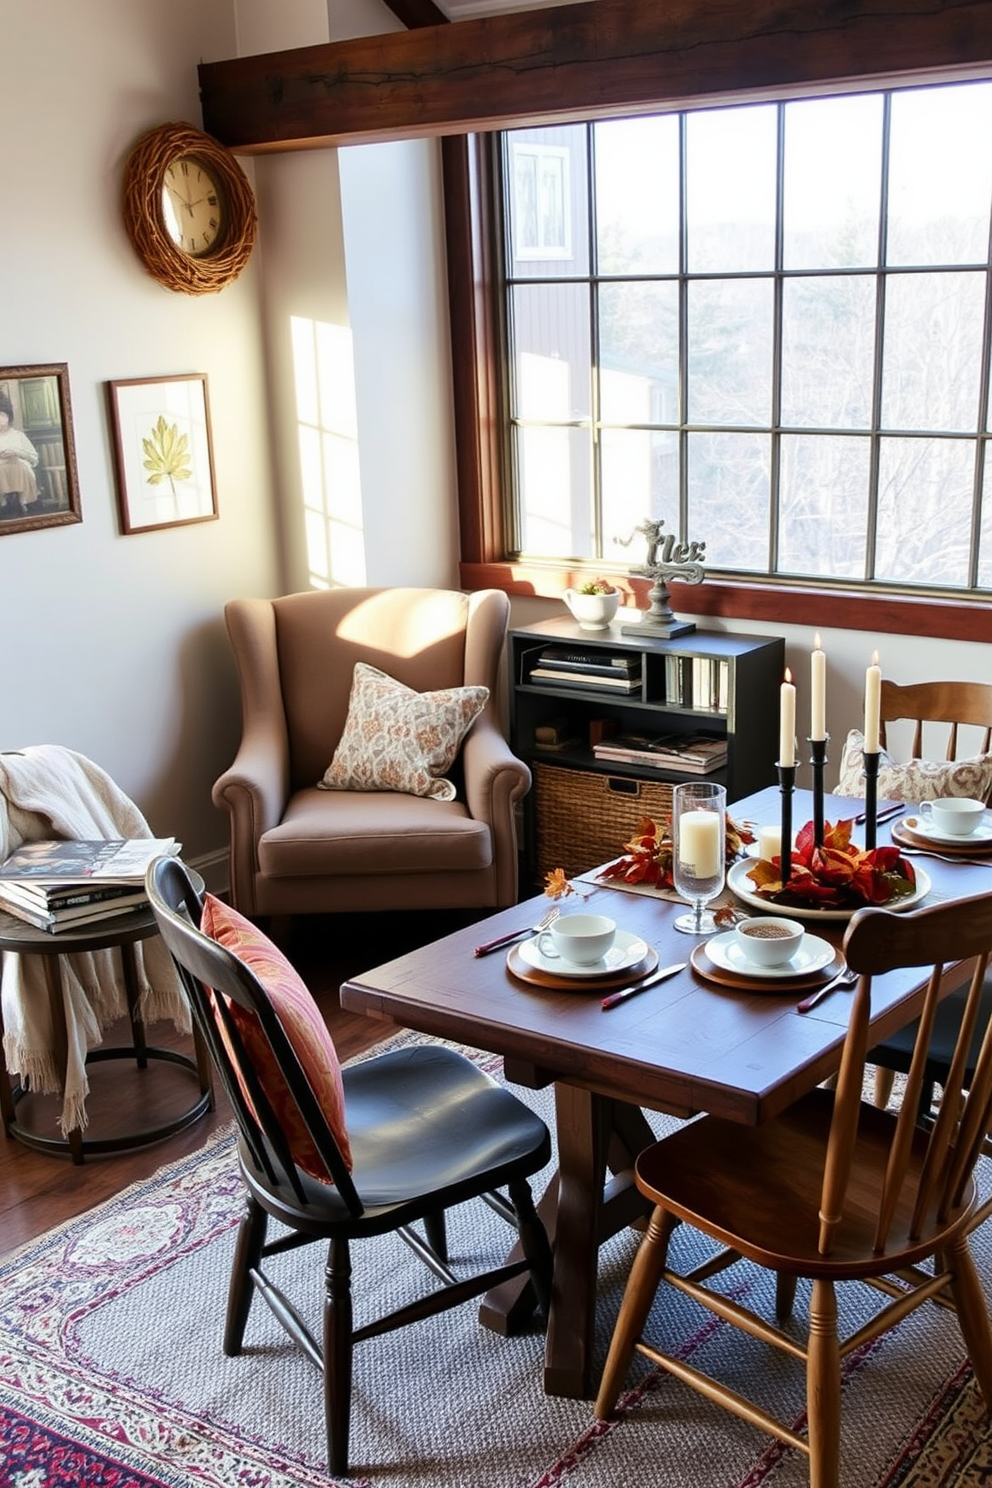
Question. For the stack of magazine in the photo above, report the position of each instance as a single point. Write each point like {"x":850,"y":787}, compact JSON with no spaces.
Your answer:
{"x":694,"y":754}
{"x":69,"y":885}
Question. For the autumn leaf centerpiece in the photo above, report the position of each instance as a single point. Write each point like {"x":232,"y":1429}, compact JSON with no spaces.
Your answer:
{"x":648,"y":855}
{"x":835,"y":876}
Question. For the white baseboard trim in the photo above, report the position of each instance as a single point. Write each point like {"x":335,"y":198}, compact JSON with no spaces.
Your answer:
{"x":215,"y":870}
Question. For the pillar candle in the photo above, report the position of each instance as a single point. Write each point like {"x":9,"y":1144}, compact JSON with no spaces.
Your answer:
{"x":699,"y":843}
{"x":818,"y":685}
{"x":769,"y":842}
{"x":873,"y":706}
{"x":787,"y":722}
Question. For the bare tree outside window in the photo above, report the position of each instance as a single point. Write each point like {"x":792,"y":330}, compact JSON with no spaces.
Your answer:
{"x":772,"y":334}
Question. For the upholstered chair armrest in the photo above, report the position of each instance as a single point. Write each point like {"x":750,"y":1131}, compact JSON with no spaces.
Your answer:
{"x":255,"y":788}
{"x":494,"y":781}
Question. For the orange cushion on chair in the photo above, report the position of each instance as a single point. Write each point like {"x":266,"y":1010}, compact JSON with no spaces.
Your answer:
{"x":304,"y":1028}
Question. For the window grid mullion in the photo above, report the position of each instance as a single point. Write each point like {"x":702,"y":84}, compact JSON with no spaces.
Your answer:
{"x":778,"y":291}
{"x":881,"y":273}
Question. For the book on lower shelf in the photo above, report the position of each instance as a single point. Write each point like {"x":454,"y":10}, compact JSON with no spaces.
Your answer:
{"x":695,"y":754}
{"x":560,"y":677}
{"x":555,"y":735}
{"x":78,"y":861}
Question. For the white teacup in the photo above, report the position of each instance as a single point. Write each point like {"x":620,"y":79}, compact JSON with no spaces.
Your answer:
{"x":582,"y":939}
{"x":769,"y":941}
{"x":957,"y":815}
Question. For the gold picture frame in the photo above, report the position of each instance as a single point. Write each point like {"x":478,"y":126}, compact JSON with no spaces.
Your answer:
{"x":163,"y":453}
{"x":39,"y":484}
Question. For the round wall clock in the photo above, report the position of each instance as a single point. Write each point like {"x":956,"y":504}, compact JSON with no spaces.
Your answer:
{"x":188,"y":209}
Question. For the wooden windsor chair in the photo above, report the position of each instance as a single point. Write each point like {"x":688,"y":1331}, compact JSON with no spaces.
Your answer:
{"x":835,"y":1190}
{"x":931,"y":708}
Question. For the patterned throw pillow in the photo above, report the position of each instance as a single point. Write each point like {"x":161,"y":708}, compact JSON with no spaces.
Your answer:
{"x":302,"y":1024}
{"x":396,"y":739}
{"x":919,"y":780}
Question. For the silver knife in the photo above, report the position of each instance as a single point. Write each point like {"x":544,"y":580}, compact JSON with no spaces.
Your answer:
{"x":652,"y":981}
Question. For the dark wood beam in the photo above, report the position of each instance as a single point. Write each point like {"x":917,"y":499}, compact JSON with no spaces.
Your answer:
{"x":417,"y":12}
{"x":586,"y":60}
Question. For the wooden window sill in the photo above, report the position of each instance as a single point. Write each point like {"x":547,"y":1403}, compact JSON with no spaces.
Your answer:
{"x":775,"y":604}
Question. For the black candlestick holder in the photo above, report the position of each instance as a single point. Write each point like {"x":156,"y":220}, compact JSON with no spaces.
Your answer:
{"x":818,"y":758}
{"x":871,"y":760}
{"x":787,"y":785}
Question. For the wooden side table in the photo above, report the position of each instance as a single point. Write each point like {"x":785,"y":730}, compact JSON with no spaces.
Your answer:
{"x":121,"y":933}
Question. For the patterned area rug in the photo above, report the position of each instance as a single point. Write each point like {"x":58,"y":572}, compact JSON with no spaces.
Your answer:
{"x":112,"y":1375}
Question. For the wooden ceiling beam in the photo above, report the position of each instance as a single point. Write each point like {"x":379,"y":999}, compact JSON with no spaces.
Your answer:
{"x":417,"y":12}
{"x":597,"y":59}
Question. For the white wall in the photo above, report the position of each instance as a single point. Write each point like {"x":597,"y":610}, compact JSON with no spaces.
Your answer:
{"x":352,"y":241}
{"x":118,"y":648}
{"x":114,"y":645}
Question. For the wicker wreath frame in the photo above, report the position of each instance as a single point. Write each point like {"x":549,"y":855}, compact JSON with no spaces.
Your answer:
{"x":144,"y":217}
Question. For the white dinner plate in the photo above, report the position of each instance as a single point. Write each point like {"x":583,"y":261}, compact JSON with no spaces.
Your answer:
{"x":625,"y":952}
{"x":920,"y":827}
{"x":739,"y":883}
{"x":727,"y":952}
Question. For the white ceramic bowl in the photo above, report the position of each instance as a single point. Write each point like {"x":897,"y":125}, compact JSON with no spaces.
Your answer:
{"x":767,"y":940}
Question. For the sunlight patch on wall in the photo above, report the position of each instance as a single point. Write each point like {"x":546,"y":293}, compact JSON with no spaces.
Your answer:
{"x":327,"y":432}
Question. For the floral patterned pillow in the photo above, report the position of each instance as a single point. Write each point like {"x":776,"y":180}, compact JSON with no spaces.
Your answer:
{"x":919,"y":780}
{"x":396,"y":739}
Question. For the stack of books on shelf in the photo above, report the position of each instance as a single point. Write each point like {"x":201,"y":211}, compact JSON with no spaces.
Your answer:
{"x":70,"y":885}
{"x":697,"y":682}
{"x":691,"y":754}
{"x":602,"y":671}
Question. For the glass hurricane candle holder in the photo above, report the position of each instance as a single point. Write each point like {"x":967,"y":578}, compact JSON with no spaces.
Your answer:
{"x":699,"y":849}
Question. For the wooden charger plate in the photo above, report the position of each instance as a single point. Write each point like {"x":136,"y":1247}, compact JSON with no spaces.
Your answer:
{"x":903,"y":834}
{"x":530,"y":974}
{"x":771,"y":986}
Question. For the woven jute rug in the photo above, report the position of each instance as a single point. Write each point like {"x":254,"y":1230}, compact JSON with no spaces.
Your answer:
{"x":112,"y":1374}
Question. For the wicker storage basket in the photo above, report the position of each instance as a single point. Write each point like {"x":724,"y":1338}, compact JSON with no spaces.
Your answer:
{"x":582,"y":819}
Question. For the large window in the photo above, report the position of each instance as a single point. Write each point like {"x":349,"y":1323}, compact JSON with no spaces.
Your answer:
{"x":767,"y":325}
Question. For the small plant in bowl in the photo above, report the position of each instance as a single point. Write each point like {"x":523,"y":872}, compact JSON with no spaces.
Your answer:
{"x":593,"y":604}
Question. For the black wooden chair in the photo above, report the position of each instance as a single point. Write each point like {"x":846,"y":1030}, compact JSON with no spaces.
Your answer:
{"x":426,"y":1130}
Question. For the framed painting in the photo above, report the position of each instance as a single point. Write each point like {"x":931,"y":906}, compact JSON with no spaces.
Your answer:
{"x":39,"y":485}
{"x":163,"y":455}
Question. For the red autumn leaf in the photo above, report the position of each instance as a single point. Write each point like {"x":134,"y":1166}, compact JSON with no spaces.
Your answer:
{"x":837,"y":875}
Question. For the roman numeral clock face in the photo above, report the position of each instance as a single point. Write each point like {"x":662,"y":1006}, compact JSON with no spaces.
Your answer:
{"x":193,"y":206}
{"x":188,"y":209}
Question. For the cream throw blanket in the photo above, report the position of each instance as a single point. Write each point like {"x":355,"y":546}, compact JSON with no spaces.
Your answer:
{"x":49,"y":791}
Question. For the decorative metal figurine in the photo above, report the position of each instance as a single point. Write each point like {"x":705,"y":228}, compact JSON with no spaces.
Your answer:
{"x":667,"y":558}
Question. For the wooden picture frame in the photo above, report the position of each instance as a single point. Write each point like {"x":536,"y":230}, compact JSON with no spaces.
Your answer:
{"x":163,"y":452}
{"x":39,"y":484}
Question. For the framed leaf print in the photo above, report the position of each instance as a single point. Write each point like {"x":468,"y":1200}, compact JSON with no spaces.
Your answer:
{"x":162,"y":450}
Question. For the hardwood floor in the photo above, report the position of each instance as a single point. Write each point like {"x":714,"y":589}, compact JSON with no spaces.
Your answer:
{"x":39,"y":1190}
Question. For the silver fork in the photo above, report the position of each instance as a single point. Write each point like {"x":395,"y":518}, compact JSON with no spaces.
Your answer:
{"x":504,"y":940}
{"x":844,"y":980}
{"x":925,"y":852}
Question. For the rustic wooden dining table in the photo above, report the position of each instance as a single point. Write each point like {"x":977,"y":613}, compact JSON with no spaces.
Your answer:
{"x":685,"y":1046}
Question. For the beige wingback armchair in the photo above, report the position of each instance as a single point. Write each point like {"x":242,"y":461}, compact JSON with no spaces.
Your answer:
{"x":298,"y":849}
